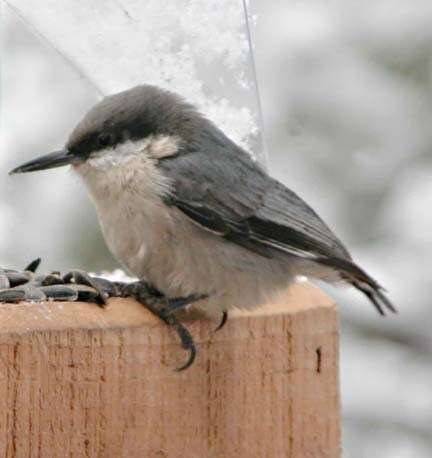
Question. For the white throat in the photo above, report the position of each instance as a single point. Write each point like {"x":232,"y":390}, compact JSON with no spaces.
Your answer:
{"x":128,"y":169}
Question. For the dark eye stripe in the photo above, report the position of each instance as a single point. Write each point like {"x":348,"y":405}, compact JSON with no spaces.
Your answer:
{"x":105,"y":139}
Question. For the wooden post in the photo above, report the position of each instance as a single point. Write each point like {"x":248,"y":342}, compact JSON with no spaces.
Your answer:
{"x":79,"y":381}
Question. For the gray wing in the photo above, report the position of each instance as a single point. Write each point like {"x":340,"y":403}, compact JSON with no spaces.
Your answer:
{"x":224,"y":191}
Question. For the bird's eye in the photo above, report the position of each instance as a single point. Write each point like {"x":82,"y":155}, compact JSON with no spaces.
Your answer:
{"x":105,"y":139}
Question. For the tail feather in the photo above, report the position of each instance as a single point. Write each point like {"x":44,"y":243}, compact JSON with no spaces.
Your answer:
{"x":376,"y":296}
{"x":358,"y":278}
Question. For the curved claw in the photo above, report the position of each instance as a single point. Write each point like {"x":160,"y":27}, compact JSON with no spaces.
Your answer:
{"x":160,"y":306}
{"x":223,"y":321}
{"x":83,"y":278}
{"x":84,"y":293}
{"x":186,"y":341}
{"x":189,"y":362}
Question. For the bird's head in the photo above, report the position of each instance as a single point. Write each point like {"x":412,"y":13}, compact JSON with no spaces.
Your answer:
{"x":144,"y":120}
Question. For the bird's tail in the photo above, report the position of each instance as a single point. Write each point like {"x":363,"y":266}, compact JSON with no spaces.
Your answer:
{"x":357,"y":277}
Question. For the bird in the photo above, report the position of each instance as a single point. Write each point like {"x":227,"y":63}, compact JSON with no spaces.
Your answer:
{"x":192,"y":215}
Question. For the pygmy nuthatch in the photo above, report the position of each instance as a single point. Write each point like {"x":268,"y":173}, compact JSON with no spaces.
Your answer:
{"x":189,"y":212}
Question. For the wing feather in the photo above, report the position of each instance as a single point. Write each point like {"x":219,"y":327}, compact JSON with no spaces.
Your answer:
{"x":220,"y":188}
{"x":226,"y":192}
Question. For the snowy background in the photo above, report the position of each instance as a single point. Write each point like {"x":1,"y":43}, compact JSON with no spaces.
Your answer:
{"x":346,"y":89}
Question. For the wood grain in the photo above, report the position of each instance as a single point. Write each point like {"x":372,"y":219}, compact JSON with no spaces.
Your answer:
{"x":79,"y":381}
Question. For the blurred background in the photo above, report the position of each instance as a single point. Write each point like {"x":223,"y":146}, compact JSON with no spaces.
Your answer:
{"x":346,"y":91}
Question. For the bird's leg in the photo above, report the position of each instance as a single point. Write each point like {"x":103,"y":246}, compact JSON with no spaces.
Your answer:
{"x":139,"y":290}
{"x":163,"y":308}
{"x":143,"y":291}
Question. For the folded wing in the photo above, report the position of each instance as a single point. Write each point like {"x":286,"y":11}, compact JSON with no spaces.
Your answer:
{"x":224,"y":191}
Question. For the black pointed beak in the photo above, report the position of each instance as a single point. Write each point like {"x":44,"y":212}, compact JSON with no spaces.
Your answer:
{"x":49,"y":161}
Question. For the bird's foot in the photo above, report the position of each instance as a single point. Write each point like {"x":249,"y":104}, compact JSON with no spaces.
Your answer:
{"x":142,"y":291}
{"x":77,"y":285}
{"x":91,"y":288}
{"x":164,"y":309}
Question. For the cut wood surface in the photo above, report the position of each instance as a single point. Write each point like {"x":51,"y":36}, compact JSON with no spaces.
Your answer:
{"x":80,"y":381}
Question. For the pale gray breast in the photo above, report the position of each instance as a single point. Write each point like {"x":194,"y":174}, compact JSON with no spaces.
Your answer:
{"x":128,"y":201}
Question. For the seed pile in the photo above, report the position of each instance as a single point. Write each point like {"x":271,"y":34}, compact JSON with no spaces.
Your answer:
{"x":76,"y":285}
